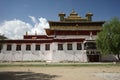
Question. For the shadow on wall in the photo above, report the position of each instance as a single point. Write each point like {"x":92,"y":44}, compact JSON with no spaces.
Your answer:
{"x":25,"y":76}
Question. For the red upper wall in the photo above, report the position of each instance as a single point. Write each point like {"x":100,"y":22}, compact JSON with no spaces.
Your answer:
{"x":42,"y":40}
{"x":71,"y":32}
{"x":37,"y":37}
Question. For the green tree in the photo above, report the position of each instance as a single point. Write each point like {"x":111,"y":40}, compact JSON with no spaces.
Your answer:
{"x":2,"y":37}
{"x":108,"y":41}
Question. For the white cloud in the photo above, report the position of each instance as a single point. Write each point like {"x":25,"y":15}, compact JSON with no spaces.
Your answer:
{"x":33,"y":19}
{"x":40,"y":25}
{"x":15,"y":29}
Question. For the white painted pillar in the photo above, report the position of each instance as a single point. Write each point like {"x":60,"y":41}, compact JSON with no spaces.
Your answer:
{"x":13,"y":47}
{"x":4,"y":48}
{"x":33,"y":48}
{"x":82,"y":46}
{"x":74,"y":45}
{"x":65,"y":47}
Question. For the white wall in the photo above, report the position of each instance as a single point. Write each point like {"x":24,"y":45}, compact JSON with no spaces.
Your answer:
{"x":52,"y":55}
{"x":24,"y":55}
{"x":68,"y":55}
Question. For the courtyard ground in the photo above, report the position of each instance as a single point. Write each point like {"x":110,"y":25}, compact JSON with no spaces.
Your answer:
{"x":46,"y":72}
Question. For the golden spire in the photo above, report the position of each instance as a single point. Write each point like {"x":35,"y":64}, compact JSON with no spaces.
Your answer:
{"x":73,"y":12}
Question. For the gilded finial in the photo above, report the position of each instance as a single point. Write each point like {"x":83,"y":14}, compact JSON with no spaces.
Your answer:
{"x":73,"y":11}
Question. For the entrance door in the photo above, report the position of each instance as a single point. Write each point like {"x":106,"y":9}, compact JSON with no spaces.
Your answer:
{"x":93,"y":58}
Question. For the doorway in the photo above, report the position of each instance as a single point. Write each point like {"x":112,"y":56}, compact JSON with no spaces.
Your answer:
{"x":93,"y":58}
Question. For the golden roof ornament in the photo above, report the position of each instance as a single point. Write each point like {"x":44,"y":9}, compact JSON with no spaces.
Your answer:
{"x":73,"y":11}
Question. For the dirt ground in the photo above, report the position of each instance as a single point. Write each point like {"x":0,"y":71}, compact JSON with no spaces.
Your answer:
{"x":60,"y":73}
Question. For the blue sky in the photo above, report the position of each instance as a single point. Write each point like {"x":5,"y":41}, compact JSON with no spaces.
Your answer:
{"x":19,"y":16}
{"x":49,"y":9}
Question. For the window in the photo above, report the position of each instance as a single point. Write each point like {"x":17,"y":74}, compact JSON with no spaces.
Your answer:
{"x":90,"y":45}
{"x":18,"y":47}
{"x":37,"y":47}
{"x":0,"y":47}
{"x":79,"y":47}
{"x":60,"y":46}
{"x":9,"y":47}
{"x":69,"y":46}
{"x":47,"y":47}
{"x":28,"y":47}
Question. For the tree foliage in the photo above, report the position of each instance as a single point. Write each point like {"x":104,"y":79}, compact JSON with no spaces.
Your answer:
{"x":108,"y":40}
{"x":2,"y":37}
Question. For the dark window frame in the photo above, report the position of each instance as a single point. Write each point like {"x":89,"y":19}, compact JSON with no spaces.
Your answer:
{"x":28,"y":47}
{"x":1,"y":47}
{"x":69,"y":46}
{"x":18,"y":47}
{"x":47,"y":47}
{"x":79,"y":46}
{"x":60,"y":46}
{"x":9,"y":47}
{"x":37,"y":47}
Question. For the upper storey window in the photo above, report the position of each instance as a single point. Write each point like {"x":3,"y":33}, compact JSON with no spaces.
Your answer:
{"x":90,"y":45}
